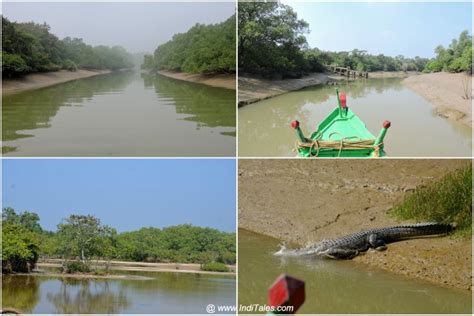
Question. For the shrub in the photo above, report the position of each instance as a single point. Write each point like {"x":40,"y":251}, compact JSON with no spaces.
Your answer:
{"x":69,"y":65}
{"x":448,"y":200}
{"x":76,"y":266}
{"x":214,"y":266}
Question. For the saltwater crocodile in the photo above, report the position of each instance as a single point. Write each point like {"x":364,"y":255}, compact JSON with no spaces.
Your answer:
{"x":347,"y":247}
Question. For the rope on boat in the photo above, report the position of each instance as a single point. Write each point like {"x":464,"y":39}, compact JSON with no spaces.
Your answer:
{"x":344,"y":143}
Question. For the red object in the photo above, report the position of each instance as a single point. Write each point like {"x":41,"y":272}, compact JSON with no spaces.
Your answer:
{"x":343,"y":100}
{"x":295,"y":124}
{"x":286,"y":291}
{"x":386,"y":124}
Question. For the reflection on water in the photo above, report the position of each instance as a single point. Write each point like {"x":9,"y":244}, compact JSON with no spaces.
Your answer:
{"x":416,"y":129}
{"x":120,"y":114}
{"x":161,"y":293}
{"x":334,"y":286}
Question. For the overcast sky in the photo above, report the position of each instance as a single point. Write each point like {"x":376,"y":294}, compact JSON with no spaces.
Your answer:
{"x":139,"y":27}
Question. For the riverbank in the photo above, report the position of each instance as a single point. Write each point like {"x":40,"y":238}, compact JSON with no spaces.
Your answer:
{"x":254,"y":89}
{"x":226,"y":81}
{"x":46,"y":79}
{"x":142,"y":266}
{"x":446,"y":91}
{"x":300,"y":202}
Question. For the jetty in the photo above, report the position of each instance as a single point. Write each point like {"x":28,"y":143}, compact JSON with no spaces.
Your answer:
{"x":347,"y":72}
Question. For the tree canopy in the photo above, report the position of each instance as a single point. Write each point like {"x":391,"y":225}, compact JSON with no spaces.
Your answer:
{"x":456,"y":58}
{"x":30,"y":47}
{"x":84,"y":237}
{"x":271,"y":39}
{"x":202,"y":49}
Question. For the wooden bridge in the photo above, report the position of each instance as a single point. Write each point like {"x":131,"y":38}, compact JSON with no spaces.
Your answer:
{"x":347,"y":72}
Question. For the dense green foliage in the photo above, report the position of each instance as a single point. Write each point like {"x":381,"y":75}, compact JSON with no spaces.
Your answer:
{"x":448,"y":200}
{"x":456,"y":58}
{"x":271,"y":39}
{"x":79,"y":239}
{"x":272,"y":43}
{"x":214,"y":266}
{"x":202,"y":49}
{"x":362,"y":61}
{"x":20,"y":240}
{"x":76,"y":266}
{"x":30,"y":47}
{"x":182,"y":243}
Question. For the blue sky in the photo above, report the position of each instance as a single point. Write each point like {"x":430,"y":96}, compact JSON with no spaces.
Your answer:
{"x":410,"y":29}
{"x":124,"y":194}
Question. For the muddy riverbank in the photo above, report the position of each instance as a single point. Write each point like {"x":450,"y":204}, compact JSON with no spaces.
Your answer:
{"x":447,"y":92}
{"x":41,"y":80}
{"x":226,"y":81}
{"x":142,"y":266}
{"x":305,"y":201}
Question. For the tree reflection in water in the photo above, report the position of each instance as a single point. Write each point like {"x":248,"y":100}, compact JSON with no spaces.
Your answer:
{"x":87,"y":296}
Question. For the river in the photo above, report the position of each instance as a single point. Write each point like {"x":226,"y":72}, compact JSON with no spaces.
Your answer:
{"x":163,"y":292}
{"x":340,"y":286}
{"x":120,"y":114}
{"x":417,"y":131}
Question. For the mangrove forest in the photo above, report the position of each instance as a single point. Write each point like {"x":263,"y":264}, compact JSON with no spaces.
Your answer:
{"x":79,"y":239}
{"x":31,"y":47}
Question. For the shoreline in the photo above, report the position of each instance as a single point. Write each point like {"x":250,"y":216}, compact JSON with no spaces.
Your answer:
{"x":226,"y":81}
{"x":291,"y":218}
{"x":254,"y":89}
{"x":445,"y":92}
{"x":41,"y":80}
{"x":142,"y":266}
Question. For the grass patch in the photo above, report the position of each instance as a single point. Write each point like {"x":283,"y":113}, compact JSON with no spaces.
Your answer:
{"x":448,"y":200}
{"x":214,"y":266}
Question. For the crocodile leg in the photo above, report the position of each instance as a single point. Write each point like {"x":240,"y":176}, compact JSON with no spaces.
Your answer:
{"x":340,"y":253}
{"x":377,"y":243}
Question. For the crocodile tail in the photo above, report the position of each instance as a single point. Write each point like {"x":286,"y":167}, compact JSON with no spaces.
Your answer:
{"x":424,"y":229}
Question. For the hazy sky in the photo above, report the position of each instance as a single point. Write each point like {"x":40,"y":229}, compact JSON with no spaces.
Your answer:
{"x":125,"y":194}
{"x":139,"y":27}
{"x":409,"y":29}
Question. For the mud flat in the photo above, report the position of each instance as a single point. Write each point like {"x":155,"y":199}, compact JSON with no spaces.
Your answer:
{"x":447,"y":92}
{"x":226,"y":81}
{"x":142,"y":266}
{"x":41,"y":80}
{"x":304,"y":201}
{"x":253,"y":89}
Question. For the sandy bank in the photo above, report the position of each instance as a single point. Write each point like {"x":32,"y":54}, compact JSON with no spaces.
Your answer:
{"x":252,"y":89}
{"x":446,"y":91}
{"x":41,"y":80}
{"x":305,"y":201}
{"x":226,"y":81}
{"x":143,"y":266}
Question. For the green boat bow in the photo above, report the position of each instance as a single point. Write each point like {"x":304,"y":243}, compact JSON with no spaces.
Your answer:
{"x":341,"y":134}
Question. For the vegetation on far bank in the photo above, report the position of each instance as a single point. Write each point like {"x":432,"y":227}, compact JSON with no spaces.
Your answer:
{"x":80,"y":239}
{"x":448,"y":200}
{"x":30,"y":47}
{"x":272,"y":43}
{"x":205,"y":49}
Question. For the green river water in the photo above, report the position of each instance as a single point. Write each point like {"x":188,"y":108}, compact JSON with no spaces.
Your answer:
{"x":163,"y":293}
{"x":120,"y":114}
{"x":264,"y":127}
{"x":339,"y":286}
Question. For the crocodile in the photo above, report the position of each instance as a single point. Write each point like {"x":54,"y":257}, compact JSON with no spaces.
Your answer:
{"x":348,"y":247}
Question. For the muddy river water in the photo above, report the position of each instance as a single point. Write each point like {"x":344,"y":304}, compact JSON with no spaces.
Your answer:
{"x":339,"y":286}
{"x":161,"y":292}
{"x":120,"y":114}
{"x":417,"y":131}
